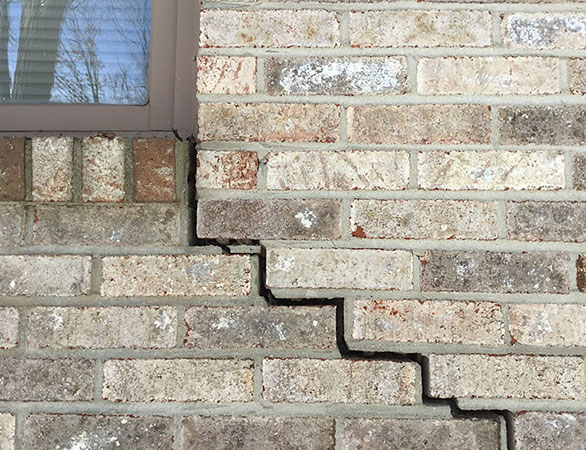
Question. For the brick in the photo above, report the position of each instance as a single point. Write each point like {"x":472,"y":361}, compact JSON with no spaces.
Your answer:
{"x":577,"y":76}
{"x":269,"y":219}
{"x":268,"y":122}
{"x":507,"y":376}
{"x":549,"y":430}
{"x":52,"y":169}
{"x":105,"y":225}
{"x":176,"y":275}
{"x":338,"y":171}
{"x":9,"y":319}
{"x":226,"y":75}
{"x":276,"y":28}
{"x":226,"y":170}
{"x":542,"y":125}
{"x":73,"y":431}
{"x":479,"y":271}
{"x":11,"y":225}
{"x":59,"y":276}
{"x":579,"y":171}
{"x":257,"y":432}
{"x":278,"y":327}
{"x":418,"y":434}
{"x":544,"y":30}
{"x":336,"y":76}
{"x":180,"y":380}
{"x":433,"y":321}
{"x":581,"y":273}
{"x":548,"y":325}
{"x":339,"y":268}
{"x":50,"y":380}
{"x":423,"y":219}
{"x":488,"y":76}
{"x":154,"y":170}
{"x":7,"y":431}
{"x":546,"y":221}
{"x":340,"y":381}
{"x":491,"y":170}
{"x":103,"y":169}
{"x":419,"y":124}
{"x":106,"y":327}
{"x":12,"y":169}
{"x":397,"y":28}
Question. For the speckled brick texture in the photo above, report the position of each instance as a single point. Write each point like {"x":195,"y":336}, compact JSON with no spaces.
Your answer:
{"x":372,"y":240}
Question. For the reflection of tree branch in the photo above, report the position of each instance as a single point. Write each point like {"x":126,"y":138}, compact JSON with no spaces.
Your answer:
{"x":82,"y":74}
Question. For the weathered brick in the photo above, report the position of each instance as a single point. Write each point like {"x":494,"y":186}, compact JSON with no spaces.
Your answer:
{"x":226,"y":170}
{"x":228,"y":327}
{"x":423,"y":219}
{"x":9,"y":318}
{"x":479,"y":271}
{"x":107,"y":327}
{"x":178,"y":275}
{"x":543,"y":125}
{"x":336,"y":76}
{"x":12,"y":169}
{"x":488,"y":76}
{"x":59,"y":276}
{"x":105,"y":225}
{"x":103,"y":169}
{"x":154,"y":170}
{"x":544,"y":30}
{"x":548,"y":324}
{"x":52,"y":169}
{"x":11,"y":225}
{"x":269,"y":219}
{"x":491,"y":170}
{"x":577,"y":76}
{"x":397,"y":28}
{"x":419,"y":124}
{"x":277,"y":28}
{"x":340,"y":381}
{"x":419,"y":434}
{"x":181,"y":380}
{"x":226,"y":75}
{"x":549,"y":430}
{"x":338,"y":171}
{"x":433,"y":321}
{"x":507,"y":376}
{"x":257,"y":432}
{"x":7,"y":431}
{"x":63,"y":380}
{"x":268,"y":122}
{"x":546,"y":221}
{"x":85,"y":432}
{"x":581,"y":273}
{"x":339,"y":268}
{"x":579,"y":171}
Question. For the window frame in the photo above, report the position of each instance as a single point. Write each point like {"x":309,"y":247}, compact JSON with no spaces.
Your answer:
{"x":171,"y":92}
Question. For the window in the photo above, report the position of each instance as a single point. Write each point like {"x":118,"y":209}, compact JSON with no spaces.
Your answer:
{"x":97,"y":65}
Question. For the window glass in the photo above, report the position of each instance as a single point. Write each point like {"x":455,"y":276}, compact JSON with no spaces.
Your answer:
{"x":74,"y":51}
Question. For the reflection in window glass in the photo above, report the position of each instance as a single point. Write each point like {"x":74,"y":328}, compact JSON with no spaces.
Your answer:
{"x":74,"y":51}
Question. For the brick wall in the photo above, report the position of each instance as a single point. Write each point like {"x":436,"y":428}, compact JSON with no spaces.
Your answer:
{"x":377,"y":243}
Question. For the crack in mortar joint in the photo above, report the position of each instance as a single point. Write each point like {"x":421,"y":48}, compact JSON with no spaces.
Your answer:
{"x":346,"y":353}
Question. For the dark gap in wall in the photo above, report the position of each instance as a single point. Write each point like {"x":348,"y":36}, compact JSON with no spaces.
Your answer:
{"x":347,"y":353}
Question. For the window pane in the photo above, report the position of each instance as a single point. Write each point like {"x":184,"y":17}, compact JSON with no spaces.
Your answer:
{"x":74,"y":51}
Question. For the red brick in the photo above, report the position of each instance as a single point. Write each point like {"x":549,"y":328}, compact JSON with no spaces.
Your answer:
{"x":11,"y":169}
{"x":154,"y":170}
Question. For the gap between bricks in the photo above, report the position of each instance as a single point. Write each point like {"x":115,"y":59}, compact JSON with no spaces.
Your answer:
{"x":506,"y":417}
